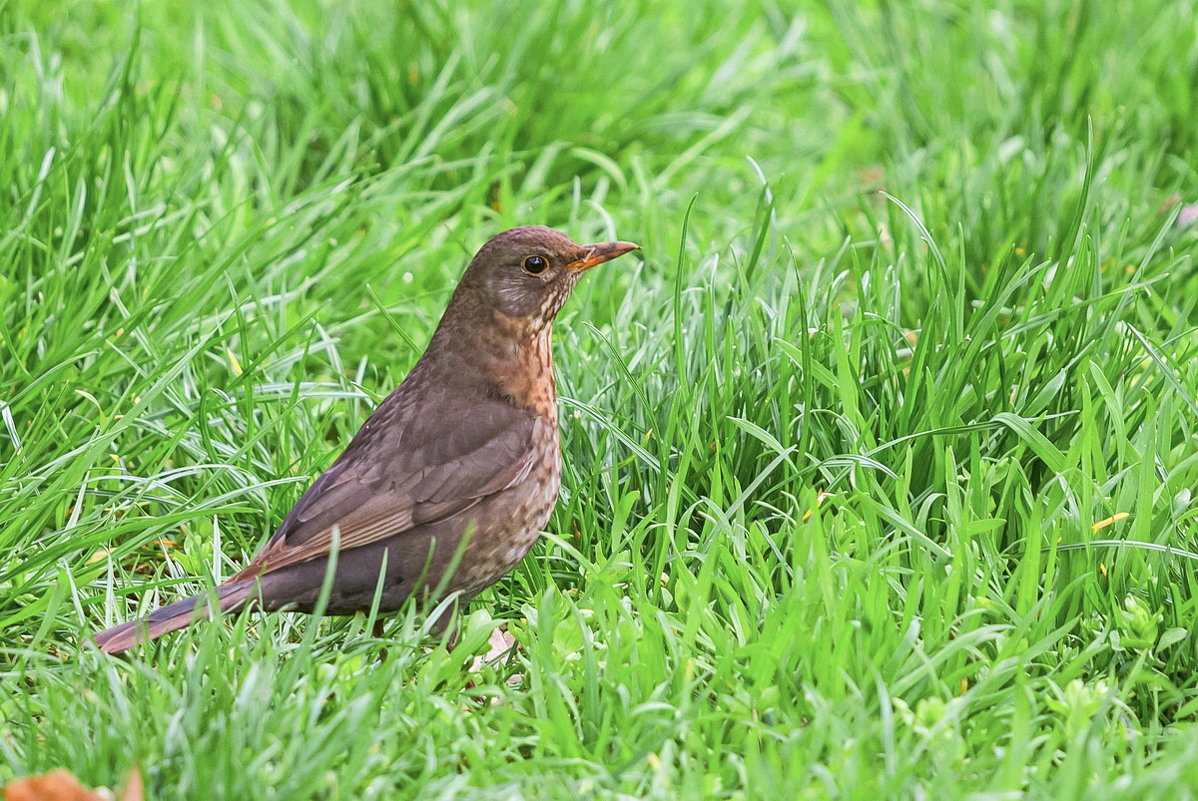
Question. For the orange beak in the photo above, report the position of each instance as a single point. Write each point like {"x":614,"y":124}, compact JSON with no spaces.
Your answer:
{"x":601,"y":252}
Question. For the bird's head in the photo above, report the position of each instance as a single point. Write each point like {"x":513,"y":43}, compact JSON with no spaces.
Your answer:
{"x":527,"y":273}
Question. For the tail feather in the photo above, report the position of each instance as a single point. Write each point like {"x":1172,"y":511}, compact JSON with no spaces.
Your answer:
{"x":170,"y":618}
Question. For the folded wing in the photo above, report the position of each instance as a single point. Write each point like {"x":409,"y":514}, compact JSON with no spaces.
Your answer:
{"x":411,"y":474}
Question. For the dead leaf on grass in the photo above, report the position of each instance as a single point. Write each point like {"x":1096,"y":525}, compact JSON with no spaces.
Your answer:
{"x":61,"y":785}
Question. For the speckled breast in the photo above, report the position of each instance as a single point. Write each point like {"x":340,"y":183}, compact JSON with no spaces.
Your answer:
{"x":508,"y":524}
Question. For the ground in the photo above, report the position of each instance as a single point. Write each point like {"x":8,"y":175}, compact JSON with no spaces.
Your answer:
{"x":879,"y":459}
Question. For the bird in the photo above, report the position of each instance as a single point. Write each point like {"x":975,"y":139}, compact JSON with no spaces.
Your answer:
{"x":450,"y":481}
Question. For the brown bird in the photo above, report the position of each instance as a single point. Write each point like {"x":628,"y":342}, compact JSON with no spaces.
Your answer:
{"x":448,"y":484}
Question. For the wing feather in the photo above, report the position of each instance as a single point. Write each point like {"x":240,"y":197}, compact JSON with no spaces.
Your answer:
{"x":400,"y":472}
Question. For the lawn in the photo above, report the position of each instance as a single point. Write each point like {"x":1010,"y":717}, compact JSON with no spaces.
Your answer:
{"x":880,"y":458}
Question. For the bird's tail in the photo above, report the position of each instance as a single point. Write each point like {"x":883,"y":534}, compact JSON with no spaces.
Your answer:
{"x":171,"y":618}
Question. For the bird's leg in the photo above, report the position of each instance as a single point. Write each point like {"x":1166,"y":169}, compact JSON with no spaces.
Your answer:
{"x":446,"y":621}
{"x":377,"y":631}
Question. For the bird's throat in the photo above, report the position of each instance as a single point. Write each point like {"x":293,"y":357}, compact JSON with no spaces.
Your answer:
{"x":523,"y":372}
{"x":508,"y":356}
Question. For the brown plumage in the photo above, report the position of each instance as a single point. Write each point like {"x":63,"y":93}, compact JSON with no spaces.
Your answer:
{"x":467,"y":446}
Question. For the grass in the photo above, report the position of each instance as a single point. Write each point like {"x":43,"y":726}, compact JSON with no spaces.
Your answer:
{"x":879,"y":469}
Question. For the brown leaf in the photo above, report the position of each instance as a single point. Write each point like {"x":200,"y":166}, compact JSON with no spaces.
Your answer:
{"x":132,"y":790}
{"x":57,"y":785}
{"x":61,"y":785}
{"x":500,"y":642}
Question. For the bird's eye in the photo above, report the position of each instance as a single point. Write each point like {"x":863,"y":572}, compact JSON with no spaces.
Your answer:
{"x":535,"y":265}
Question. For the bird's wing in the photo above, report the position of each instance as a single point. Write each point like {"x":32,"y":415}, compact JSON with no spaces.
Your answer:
{"x":400,"y":472}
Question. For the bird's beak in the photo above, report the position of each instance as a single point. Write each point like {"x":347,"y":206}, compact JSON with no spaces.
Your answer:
{"x":601,"y":252}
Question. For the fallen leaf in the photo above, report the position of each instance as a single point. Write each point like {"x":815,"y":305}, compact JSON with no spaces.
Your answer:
{"x":500,"y":642}
{"x":61,"y":785}
{"x":132,"y":790}
{"x":57,"y":785}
